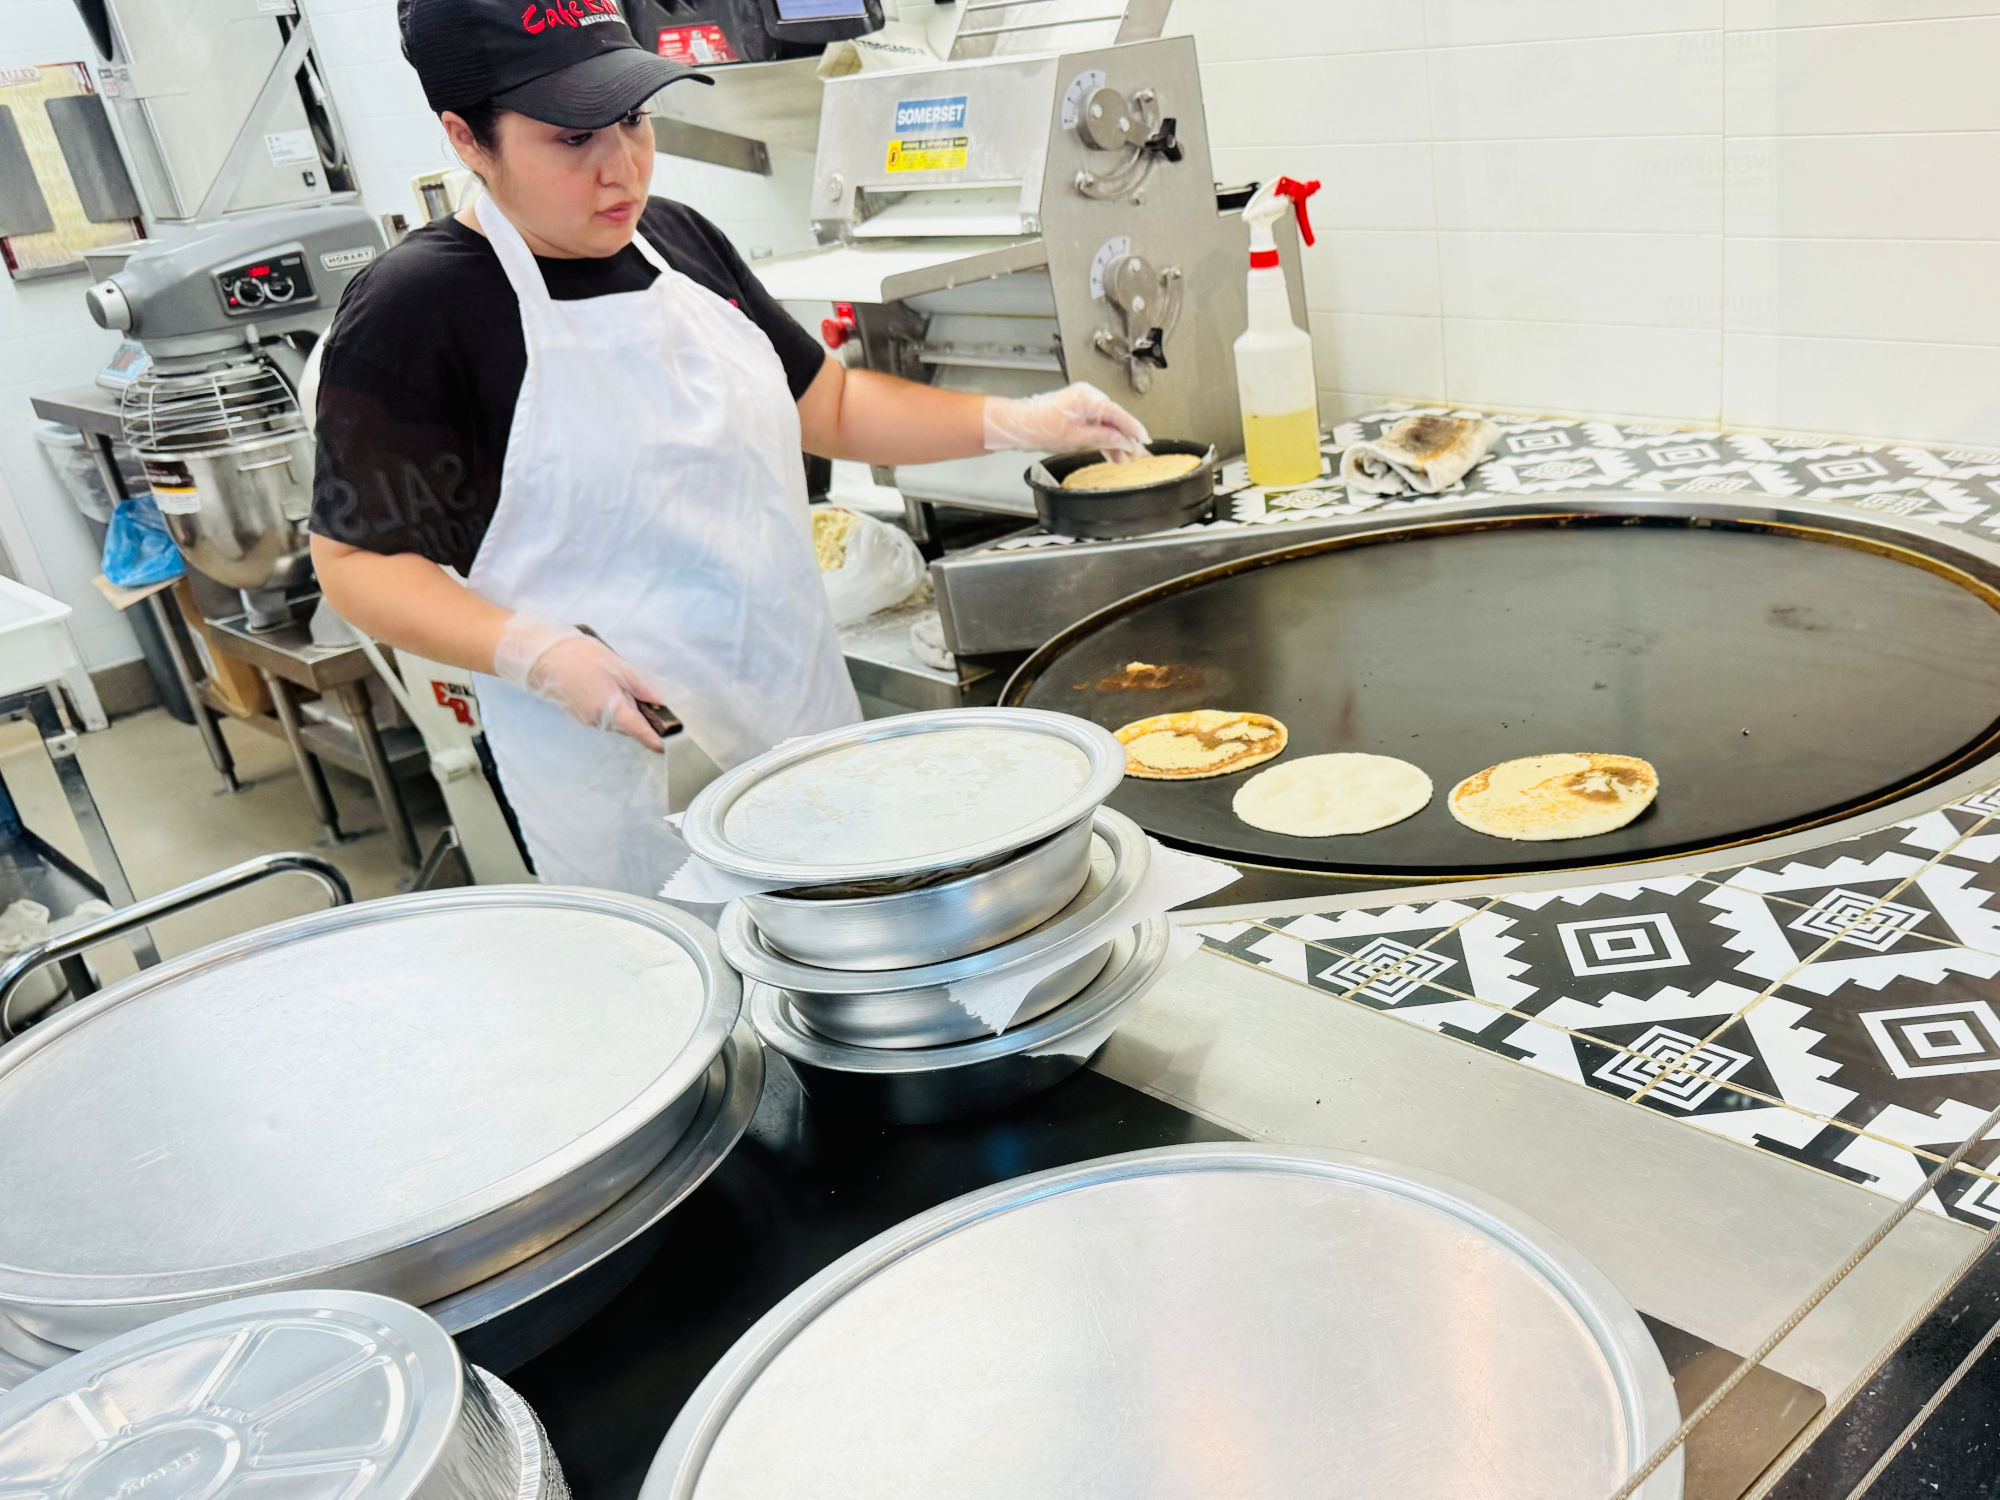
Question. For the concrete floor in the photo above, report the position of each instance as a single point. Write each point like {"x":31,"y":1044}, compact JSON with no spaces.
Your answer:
{"x":169,"y":821}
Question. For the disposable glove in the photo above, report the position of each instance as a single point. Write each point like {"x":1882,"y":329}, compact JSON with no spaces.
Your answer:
{"x":584,"y":677}
{"x":1070,"y":420}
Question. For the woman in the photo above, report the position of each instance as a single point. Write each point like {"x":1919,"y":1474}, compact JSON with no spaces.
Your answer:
{"x":573,"y":405}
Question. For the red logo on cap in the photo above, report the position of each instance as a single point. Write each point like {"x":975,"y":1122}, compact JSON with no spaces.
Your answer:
{"x":566,"y":13}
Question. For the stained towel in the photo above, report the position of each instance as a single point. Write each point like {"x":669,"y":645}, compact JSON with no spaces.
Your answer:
{"x":1425,"y":455}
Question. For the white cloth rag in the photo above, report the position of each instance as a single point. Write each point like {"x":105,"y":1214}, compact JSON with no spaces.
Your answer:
{"x":1425,"y":455}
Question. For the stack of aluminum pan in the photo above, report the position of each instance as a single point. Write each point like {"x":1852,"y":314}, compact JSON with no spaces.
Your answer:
{"x":482,"y":1102}
{"x":319,"y":1393}
{"x":940,"y":924}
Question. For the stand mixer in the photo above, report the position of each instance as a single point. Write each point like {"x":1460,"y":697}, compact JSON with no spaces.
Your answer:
{"x":227,"y":312}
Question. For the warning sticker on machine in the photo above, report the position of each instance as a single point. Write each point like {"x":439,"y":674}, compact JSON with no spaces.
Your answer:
{"x":942,"y":154}
{"x":291,"y":148}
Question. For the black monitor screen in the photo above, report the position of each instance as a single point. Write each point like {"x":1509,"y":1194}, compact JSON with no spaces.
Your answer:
{"x":820,"y":10}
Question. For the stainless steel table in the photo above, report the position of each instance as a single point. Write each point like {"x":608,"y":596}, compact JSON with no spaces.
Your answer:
{"x":288,"y":658}
{"x":33,"y":868}
{"x":93,"y":411}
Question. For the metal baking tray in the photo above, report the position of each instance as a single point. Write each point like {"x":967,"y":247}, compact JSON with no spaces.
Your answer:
{"x":922,"y":1085}
{"x":507,"y":1320}
{"x":1120,"y":859}
{"x":409,"y":1095}
{"x":933,"y":923}
{"x":1181,"y":1324}
{"x":1103,"y":515}
{"x":943,"y":816}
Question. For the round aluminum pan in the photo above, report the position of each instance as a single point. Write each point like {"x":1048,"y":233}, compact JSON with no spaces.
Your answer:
{"x":152,"y":1137}
{"x":935,"y":923}
{"x":1120,"y":858}
{"x":1134,"y":510}
{"x":931,"y":1018}
{"x":539,"y":1474}
{"x":920,"y":1086}
{"x":900,"y":797}
{"x":505,"y":1321}
{"x":1208,"y":1319}
{"x":348,"y":1388}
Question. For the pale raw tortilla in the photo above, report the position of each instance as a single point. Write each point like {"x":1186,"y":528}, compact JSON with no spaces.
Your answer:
{"x":1134,"y":473}
{"x":1555,"y":796}
{"x":1319,"y":796}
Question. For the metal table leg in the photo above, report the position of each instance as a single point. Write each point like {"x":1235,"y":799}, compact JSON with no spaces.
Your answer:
{"x":361,"y":713}
{"x":59,"y":740}
{"x":156,"y":605}
{"x":287,"y":709}
{"x":205,"y":720}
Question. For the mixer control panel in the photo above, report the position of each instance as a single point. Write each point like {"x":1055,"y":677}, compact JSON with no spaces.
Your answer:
{"x":276,"y":281}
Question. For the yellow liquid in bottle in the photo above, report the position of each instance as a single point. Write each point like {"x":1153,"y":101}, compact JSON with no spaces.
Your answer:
{"x":1282,"y":450}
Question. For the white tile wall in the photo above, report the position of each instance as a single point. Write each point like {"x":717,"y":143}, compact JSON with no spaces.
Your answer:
{"x":1772,"y":213}
{"x":48,"y":341}
{"x":1767,"y":213}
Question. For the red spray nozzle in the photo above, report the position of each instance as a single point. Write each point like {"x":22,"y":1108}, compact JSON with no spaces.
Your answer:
{"x":1298,"y":192}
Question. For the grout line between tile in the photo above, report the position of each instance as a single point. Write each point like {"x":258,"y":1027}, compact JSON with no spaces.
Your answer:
{"x":1824,"y":948}
{"x":1400,"y":1014}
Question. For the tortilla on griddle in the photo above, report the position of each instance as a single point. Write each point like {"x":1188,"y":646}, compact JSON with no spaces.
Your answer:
{"x":1134,"y":473}
{"x":1574,"y":796}
{"x":1199,"y":743}
{"x":1319,"y":796}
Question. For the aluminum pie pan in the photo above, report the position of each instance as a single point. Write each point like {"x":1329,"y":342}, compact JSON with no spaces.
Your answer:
{"x":934,"y":923}
{"x":931,"y":1018}
{"x":201,"y":1405}
{"x":510,"y":1318}
{"x":667,"y":972}
{"x":1137,"y":956}
{"x":538,"y":1473}
{"x":704,"y":826}
{"x":922,"y":1086}
{"x":1188,"y":1322}
{"x":1086,"y":923}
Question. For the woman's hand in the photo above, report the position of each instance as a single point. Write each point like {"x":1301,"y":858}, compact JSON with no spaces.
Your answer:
{"x":584,"y":677}
{"x":1070,"y":420}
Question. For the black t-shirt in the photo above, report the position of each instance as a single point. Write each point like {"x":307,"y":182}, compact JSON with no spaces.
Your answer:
{"x":424,"y":363}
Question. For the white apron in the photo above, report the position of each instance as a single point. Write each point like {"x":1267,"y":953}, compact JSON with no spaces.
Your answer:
{"x":653,"y":490}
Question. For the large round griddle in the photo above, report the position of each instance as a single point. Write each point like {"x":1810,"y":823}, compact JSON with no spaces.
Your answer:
{"x":1779,"y":675}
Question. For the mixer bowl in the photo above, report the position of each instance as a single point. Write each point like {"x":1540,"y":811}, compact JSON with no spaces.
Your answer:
{"x":238,"y":512}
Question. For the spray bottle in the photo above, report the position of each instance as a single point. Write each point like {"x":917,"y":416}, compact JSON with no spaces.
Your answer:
{"x":1274,"y":358}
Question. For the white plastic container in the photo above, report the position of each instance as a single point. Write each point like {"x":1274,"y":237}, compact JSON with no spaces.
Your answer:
{"x":34,"y":642}
{"x":1274,"y":357}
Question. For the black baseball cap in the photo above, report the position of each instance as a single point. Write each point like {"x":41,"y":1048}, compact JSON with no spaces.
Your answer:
{"x":573,"y":63}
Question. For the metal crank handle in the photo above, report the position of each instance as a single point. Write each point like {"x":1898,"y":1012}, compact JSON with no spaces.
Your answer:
{"x":78,"y":939}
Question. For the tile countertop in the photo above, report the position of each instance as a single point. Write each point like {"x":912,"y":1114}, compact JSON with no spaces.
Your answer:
{"x":1837,"y":1008}
{"x":1564,"y":455}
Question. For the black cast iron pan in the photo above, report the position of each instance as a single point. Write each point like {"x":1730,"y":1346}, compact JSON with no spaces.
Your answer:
{"x":1105,"y":514}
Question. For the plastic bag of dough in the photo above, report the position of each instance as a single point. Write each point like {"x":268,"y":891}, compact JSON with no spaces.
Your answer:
{"x":880,"y":566}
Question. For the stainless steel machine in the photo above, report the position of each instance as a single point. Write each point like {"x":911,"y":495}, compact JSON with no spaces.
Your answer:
{"x":1012,"y":224}
{"x":227,"y":313}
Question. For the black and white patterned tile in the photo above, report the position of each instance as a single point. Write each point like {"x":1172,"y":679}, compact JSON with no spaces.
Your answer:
{"x":1548,"y":455}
